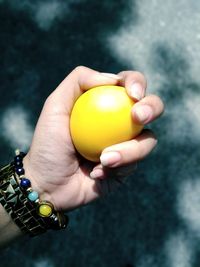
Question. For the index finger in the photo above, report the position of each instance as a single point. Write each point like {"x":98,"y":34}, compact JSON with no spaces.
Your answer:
{"x":135,"y":84}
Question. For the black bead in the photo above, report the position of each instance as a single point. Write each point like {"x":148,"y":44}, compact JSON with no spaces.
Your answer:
{"x":19,"y":171}
{"x":18,"y":158}
{"x":22,"y":154}
{"x":18,"y":164}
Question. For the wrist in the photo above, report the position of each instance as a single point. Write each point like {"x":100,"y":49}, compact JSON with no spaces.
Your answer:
{"x":32,"y":214}
{"x":36,"y":181}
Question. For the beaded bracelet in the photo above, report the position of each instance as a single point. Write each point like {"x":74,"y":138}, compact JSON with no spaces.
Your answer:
{"x":45,"y":209}
{"x":32,"y":215}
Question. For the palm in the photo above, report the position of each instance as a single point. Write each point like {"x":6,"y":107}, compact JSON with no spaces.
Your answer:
{"x":60,"y":171}
{"x":56,"y":162}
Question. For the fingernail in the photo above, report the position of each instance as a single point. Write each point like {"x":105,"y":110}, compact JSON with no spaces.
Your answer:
{"x":143,"y":113}
{"x":110,"y":158}
{"x":111,"y":75}
{"x":97,"y":173}
{"x":137,"y":91}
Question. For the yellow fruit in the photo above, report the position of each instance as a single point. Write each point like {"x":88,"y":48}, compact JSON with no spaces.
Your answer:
{"x":101,"y":117}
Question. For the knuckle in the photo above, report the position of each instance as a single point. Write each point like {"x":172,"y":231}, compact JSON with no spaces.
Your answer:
{"x":51,"y":105}
{"x":135,"y":76}
{"x":48,"y":100}
{"x":80,"y":68}
{"x":141,"y":76}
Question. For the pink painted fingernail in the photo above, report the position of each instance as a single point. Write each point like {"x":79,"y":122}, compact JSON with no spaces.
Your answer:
{"x":96,"y":173}
{"x":110,"y":158}
{"x":137,"y":91}
{"x":111,"y":75}
{"x":143,"y":113}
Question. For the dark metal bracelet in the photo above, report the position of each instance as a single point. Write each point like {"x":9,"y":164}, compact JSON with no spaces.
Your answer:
{"x":24,"y":212}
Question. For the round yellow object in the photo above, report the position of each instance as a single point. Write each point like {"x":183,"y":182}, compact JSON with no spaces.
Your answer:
{"x":101,"y":117}
{"x":45,"y":210}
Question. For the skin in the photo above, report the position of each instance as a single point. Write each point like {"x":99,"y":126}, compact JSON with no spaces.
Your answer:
{"x":55,"y":169}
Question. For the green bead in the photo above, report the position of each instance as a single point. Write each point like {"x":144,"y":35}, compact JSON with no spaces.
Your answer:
{"x":33,"y":196}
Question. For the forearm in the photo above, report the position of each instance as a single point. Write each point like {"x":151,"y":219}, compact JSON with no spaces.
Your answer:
{"x":8,"y":229}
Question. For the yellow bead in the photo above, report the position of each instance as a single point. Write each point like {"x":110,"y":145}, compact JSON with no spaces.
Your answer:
{"x":45,"y":210}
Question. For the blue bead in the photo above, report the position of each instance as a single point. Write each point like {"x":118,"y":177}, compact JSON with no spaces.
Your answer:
{"x":19,"y":171}
{"x":33,"y":196}
{"x":25,"y":183}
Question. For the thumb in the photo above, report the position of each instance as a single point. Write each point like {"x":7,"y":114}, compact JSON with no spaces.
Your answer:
{"x":79,"y":80}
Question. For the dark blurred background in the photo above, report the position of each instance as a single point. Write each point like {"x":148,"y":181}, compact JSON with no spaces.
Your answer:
{"x":154,"y":219}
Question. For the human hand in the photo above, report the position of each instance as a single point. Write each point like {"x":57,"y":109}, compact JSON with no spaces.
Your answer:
{"x":52,"y":164}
